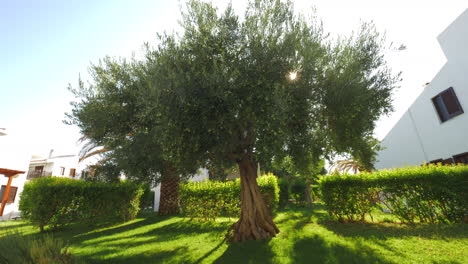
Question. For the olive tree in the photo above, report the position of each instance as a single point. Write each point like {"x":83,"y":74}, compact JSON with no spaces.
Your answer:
{"x":266,"y":84}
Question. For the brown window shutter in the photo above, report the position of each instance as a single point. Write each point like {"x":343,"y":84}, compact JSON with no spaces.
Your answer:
{"x":12,"y":194}
{"x":451,"y":101}
{"x":72,"y":172}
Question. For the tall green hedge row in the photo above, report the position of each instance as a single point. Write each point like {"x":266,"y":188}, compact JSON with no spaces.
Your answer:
{"x":209,"y":199}
{"x":433,"y":193}
{"x":58,"y":201}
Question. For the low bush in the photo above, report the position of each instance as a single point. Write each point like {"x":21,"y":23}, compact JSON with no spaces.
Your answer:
{"x":58,"y":201}
{"x":209,"y":199}
{"x":298,"y":191}
{"x":147,"y":198}
{"x":283,"y":185}
{"x":15,"y":248}
{"x":433,"y":193}
{"x":293,"y":190}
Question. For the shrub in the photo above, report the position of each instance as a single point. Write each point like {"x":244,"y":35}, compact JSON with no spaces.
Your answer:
{"x":208,"y":200}
{"x":19,"y":249}
{"x":284,"y":192}
{"x":292,"y":189}
{"x":147,"y":198}
{"x":58,"y":201}
{"x":430,"y":193}
{"x":298,"y":190}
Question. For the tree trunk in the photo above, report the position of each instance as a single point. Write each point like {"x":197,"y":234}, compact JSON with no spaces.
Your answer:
{"x":169,"y":199}
{"x":308,"y":195}
{"x":255,"y":220}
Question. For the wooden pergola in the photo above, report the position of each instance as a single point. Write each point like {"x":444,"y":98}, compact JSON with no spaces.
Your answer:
{"x":10,"y":174}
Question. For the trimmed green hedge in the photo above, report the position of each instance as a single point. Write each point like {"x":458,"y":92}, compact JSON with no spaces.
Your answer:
{"x":209,"y":199}
{"x":433,"y":193}
{"x":59,"y":201}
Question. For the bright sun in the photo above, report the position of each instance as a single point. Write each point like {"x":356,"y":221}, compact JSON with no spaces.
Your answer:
{"x":292,"y":76}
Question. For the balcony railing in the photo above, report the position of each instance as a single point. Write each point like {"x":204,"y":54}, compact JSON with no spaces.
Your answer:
{"x":36,"y":174}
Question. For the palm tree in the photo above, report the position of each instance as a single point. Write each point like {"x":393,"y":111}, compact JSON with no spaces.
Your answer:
{"x":346,"y":166}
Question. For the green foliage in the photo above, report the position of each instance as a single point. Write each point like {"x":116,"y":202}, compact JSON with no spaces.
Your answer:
{"x":425,"y":194}
{"x":293,"y":179}
{"x":147,"y":198}
{"x":283,"y":185}
{"x":223,"y":89}
{"x":298,"y":189}
{"x":15,"y":248}
{"x":59,"y":201}
{"x":308,"y":236}
{"x":210,"y":199}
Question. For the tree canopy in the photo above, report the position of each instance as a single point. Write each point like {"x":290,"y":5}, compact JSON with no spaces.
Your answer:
{"x":245,"y":89}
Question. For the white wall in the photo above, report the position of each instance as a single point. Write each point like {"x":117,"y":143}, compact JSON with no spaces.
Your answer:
{"x":420,"y":136}
{"x":53,"y":165}
{"x":65,"y":162}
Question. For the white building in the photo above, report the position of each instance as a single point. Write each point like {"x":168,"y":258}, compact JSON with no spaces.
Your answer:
{"x":13,"y":157}
{"x":59,"y":166}
{"x":435,"y":127}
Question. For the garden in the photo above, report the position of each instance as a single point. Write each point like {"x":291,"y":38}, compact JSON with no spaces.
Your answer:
{"x":269,"y":92}
{"x":342,"y":227}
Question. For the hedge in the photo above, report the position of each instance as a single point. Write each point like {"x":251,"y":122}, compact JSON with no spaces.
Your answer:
{"x":432,"y":193}
{"x":209,"y":199}
{"x":59,"y":201}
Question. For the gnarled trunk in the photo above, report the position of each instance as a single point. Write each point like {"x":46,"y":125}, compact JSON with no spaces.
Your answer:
{"x":255,"y":221}
{"x":169,"y":201}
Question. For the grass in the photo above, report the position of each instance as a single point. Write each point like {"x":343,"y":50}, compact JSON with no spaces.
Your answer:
{"x":307,"y":236}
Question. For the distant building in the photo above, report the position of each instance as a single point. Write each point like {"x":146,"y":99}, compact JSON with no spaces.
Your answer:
{"x":58,"y":166}
{"x":435,"y":127}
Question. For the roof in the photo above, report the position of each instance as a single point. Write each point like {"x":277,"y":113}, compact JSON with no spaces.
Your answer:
{"x":9,"y":172}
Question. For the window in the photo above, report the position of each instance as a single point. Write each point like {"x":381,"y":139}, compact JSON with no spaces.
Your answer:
{"x":447,"y":105}
{"x":72,"y":172}
{"x":11,"y":195}
{"x":62,"y":171}
{"x":461,"y":158}
{"x":39,"y":169}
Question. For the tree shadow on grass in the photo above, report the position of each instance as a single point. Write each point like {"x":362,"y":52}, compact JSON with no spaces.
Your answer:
{"x":12,"y":226}
{"x":178,"y":255}
{"x":85,"y":232}
{"x":255,"y":252}
{"x":207,"y":254}
{"x":164,"y":233}
{"x":106,"y":245}
{"x":113,"y":241}
{"x":382,"y":231}
{"x":314,"y":249}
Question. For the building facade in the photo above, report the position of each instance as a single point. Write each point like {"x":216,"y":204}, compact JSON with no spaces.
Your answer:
{"x":58,"y":165}
{"x":435,"y":127}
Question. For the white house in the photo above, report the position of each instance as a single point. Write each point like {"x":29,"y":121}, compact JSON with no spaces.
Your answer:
{"x":435,"y":127}
{"x":58,"y":165}
{"x":15,"y":171}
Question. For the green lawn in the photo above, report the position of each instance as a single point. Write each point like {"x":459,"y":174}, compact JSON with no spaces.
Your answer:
{"x":307,"y":236}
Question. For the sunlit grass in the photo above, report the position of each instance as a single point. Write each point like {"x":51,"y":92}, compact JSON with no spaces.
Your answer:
{"x":307,"y":236}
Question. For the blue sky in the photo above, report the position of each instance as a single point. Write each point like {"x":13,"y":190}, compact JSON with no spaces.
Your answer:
{"x":47,"y":44}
